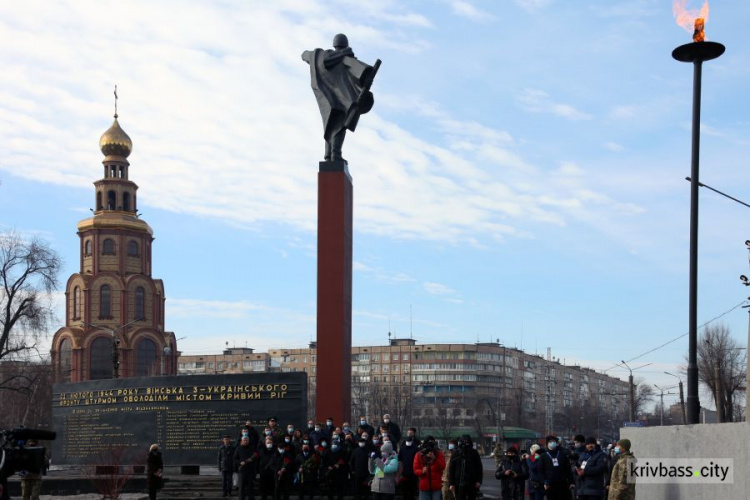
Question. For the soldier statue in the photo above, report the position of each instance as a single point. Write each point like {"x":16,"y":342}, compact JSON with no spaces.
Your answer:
{"x":341,"y":84}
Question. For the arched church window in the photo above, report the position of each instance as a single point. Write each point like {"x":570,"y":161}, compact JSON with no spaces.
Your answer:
{"x":108,"y":247}
{"x":126,"y":202}
{"x":87,"y":247}
{"x":140,"y":303}
{"x":100,"y":356}
{"x":105,"y":302}
{"x":145,"y":358}
{"x":133,"y":248}
{"x":64,"y":361}
{"x":98,"y":200}
{"x":111,"y":200}
{"x":77,"y":302}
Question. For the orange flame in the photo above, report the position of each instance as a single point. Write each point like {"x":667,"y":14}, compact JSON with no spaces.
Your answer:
{"x":691,"y":20}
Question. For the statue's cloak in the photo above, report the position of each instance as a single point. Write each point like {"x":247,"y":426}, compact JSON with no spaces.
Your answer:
{"x":338,"y":80}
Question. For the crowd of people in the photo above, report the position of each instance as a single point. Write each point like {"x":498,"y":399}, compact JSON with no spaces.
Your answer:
{"x":363,"y":461}
{"x":586,"y":471}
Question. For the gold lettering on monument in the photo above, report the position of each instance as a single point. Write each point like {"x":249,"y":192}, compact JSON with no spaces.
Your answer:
{"x":168,"y":394}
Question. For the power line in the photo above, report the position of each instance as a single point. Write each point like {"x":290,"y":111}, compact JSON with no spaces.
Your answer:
{"x":681,"y":336}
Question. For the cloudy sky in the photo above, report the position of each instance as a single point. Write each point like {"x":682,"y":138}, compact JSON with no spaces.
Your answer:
{"x":521,"y":176}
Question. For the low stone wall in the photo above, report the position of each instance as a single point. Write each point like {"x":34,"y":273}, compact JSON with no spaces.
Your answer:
{"x":705,"y":441}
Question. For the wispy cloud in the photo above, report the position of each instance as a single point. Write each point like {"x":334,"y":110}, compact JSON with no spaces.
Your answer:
{"x":533,"y":5}
{"x":614,"y":147}
{"x":187,"y":308}
{"x":438,"y":288}
{"x":539,"y":101}
{"x":470,"y":11}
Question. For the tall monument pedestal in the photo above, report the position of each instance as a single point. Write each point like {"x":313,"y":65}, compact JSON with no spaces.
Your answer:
{"x":334,"y":327}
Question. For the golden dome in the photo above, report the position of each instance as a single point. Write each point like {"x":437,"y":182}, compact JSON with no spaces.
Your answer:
{"x":115,"y":142}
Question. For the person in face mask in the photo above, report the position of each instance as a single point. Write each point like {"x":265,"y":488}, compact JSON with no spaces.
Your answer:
{"x":392,"y":428}
{"x":335,"y":469}
{"x":308,"y":467}
{"x":329,"y":428}
{"x":358,"y":462}
{"x":249,"y":431}
{"x":365,"y":427}
{"x":558,"y":474}
{"x":446,"y":491}
{"x":317,"y":435}
{"x":245,"y":460}
{"x":536,"y":473}
{"x":384,"y":470}
{"x":406,"y":453}
{"x":284,"y":468}
{"x":591,"y":469}
{"x":621,"y":486}
{"x":267,"y":452}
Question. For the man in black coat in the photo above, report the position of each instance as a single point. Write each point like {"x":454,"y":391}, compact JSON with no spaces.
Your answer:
{"x":513,"y":473}
{"x":392,"y":429}
{"x":558,"y":475}
{"x":226,"y":465}
{"x":246,"y":458}
{"x":358,"y":463}
{"x":465,"y":471}
{"x":592,"y":469}
{"x":406,"y":452}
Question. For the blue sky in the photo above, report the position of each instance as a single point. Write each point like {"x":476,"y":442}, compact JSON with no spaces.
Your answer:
{"x":520,"y":177}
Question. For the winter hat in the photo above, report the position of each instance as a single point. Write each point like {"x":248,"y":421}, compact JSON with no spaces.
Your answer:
{"x":534,"y":448}
{"x":580,"y":438}
{"x":387,"y":447}
{"x":550,"y":438}
{"x":624,"y":443}
{"x":591,"y":440}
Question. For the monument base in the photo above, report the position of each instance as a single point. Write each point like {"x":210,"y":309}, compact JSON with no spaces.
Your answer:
{"x":334,"y":314}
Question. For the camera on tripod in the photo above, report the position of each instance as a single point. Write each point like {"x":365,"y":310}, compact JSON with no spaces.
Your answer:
{"x":16,"y":455}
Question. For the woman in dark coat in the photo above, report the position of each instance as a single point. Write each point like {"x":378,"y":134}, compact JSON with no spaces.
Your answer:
{"x":154,"y":469}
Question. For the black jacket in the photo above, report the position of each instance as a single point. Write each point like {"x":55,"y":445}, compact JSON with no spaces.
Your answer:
{"x":245,"y":459}
{"x":594,"y":473}
{"x":406,"y":456}
{"x":465,"y":469}
{"x":359,"y":462}
{"x":226,"y":458}
{"x":560,"y":473}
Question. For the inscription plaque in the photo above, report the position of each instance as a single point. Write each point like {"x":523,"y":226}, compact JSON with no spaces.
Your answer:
{"x":186,"y":415}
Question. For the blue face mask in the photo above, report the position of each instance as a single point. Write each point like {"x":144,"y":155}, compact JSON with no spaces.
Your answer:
{"x":451,"y":446}
{"x":324,"y":444}
{"x":552,"y":445}
{"x":617,"y":450}
{"x":334,"y":447}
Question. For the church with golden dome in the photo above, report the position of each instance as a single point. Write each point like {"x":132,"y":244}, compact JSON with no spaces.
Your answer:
{"x":114,"y":314}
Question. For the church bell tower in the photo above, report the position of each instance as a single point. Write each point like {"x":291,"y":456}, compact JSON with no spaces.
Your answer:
{"x":114,"y":314}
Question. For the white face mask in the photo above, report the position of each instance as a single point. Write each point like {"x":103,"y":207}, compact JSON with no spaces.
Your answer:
{"x":386,"y":420}
{"x":269,"y":445}
{"x":361,"y":445}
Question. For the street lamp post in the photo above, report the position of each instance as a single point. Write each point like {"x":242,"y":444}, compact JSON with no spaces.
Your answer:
{"x":115,"y":344}
{"x":632,"y":392}
{"x":661,"y":395}
{"x":682,"y":398}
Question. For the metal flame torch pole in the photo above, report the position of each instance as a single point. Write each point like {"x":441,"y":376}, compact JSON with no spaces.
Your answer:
{"x":696,"y":53}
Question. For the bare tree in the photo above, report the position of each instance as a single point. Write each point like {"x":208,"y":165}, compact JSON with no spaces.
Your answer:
{"x":644,"y":394}
{"x":721,"y":367}
{"x":31,"y":406}
{"x":28,"y":275}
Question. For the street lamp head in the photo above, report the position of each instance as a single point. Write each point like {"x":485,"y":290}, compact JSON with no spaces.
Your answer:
{"x":744,"y":280}
{"x":747,"y":243}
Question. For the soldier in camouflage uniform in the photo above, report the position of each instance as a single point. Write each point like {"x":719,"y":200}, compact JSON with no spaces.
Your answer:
{"x":622,"y":485}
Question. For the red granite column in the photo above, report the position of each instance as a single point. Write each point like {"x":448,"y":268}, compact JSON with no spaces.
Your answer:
{"x":334,"y":336}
